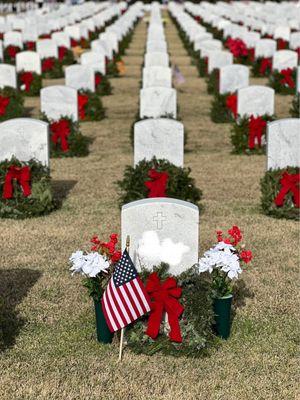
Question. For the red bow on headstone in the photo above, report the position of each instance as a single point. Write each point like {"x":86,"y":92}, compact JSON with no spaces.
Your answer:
{"x":30,"y":45}
{"x":257,"y":127}
{"x":164,"y":297}
{"x":47,"y":64}
{"x":61,"y":131}
{"x":83,"y":99}
{"x":98,"y":79}
{"x":22,"y":176}
{"x":157,"y":186}
{"x":287,"y":78}
{"x":231,"y":104}
{"x":62,"y":52}
{"x":12,"y":51}
{"x":289,"y":183}
{"x":266,"y":63}
{"x":4,"y":102}
{"x":27,"y":78}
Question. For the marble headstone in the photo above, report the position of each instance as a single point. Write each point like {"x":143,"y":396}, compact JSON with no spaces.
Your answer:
{"x":157,"y":76}
{"x":218,"y":59}
{"x":161,"y":229}
{"x":162,"y":138}
{"x":200,"y":38}
{"x":209,"y":45}
{"x":61,"y":39}
{"x":156,"y":59}
{"x":94,"y":59}
{"x":24,"y":138}
{"x":47,"y":48}
{"x":265,"y":48}
{"x":28,"y":61}
{"x":233,"y":77}
{"x":59,"y":101}
{"x":256,"y":101}
{"x":284,"y":59}
{"x":156,"y":102}
{"x":80,"y":77}
{"x":283,"y":143}
{"x":8,"y":76}
{"x":13,"y":38}
{"x":157,"y":45}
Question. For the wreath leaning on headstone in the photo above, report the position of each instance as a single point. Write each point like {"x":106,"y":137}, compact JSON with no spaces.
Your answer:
{"x":158,"y":178}
{"x":11,"y":104}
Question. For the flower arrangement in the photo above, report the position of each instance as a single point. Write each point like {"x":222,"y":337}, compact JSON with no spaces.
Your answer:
{"x":280,"y":193}
{"x":90,"y":107}
{"x":52,"y":68}
{"x":249,"y":134}
{"x":30,"y":83}
{"x":283,"y":82}
{"x":11,"y":104}
{"x":158,"y":178}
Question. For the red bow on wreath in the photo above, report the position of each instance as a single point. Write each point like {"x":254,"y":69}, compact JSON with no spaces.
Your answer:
{"x":257,"y":127}
{"x":287,"y":78}
{"x":30,"y":45}
{"x":164,"y":297}
{"x":74,"y":43}
{"x":238,"y":48}
{"x":289,"y":183}
{"x":12,"y":51}
{"x":47,"y":64}
{"x":266,"y":63}
{"x":61,"y":131}
{"x":231,"y":104}
{"x":22,"y":176}
{"x":98,"y":79}
{"x":282,"y":44}
{"x":62,"y":51}
{"x":157,"y":186}
{"x":83,"y":100}
{"x":4,"y":102}
{"x":27,"y":78}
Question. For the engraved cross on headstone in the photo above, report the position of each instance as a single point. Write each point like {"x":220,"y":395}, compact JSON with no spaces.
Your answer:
{"x":159,"y":219}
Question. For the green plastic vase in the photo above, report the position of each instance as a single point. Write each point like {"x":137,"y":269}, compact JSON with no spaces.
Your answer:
{"x":104,"y":335}
{"x":222,"y":310}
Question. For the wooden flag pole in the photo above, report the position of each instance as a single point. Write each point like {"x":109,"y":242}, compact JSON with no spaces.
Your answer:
{"x":122,"y":330}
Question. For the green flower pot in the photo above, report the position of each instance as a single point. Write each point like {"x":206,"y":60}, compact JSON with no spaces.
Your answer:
{"x":222,"y":310}
{"x":104,"y":335}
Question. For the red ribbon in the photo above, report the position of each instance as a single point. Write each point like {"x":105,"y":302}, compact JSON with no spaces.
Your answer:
{"x":60,"y":132}
{"x":164,"y":297}
{"x":4,"y":102}
{"x":238,"y":48}
{"x":289,"y":183}
{"x":22,"y":176}
{"x":27,"y":78}
{"x":257,"y":127}
{"x":12,"y":51}
{"x":74,"y":43}
{"x":47,"y":64}
{"x":266,"y":63}
{"x":231,"y":104}
{"x":282,"y":44}
{"x":251,"y":53}
{"x":98,"y":79}
{"x":287,"y":78}
{"x":157,"y":186}
{"x":83,"y":99}
{"x":62,"y":51}
{"x":30,"y":45}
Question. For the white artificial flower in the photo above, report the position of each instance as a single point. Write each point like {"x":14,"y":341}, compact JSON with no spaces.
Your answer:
{"x":77,"y":259}
{"x":94,"y":264}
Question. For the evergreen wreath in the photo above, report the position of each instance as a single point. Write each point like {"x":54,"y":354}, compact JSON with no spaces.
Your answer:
{"x":270,"y":187}
{"x":256,"y":67}
{"x":276,"y":82}
{"x":11,"y":104}
{"x":54,"y":69}
{"x":219,"y":112}
{"x":179,"y":185}
{"x":33,"y":87}
{"x":112,"y":68}
{"x":78,"y":145}
{"x":104,"y":88}
{"x":9,"y":54}
{"x":240,"y":136}
{"x":195,"y":323}
{"x":295,"y":109}
{"x":40,"y":201}
{"x":213,"y":82}
{"x":201,"y":64}
{"x":66,"y":56}
{"x":93,"y":110}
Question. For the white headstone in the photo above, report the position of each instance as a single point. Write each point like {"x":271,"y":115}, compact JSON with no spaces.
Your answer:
{"x":283,"y":143}
{"x":156,"y":59}
{"x":13,"y":39}
{"x":282,"y":32}
{"x":200,"y":38}
{"x":161,"y":230}
{"x":28,"y":61}
{"x":95,"y":60}
{"x":62,"y":39}
{"x":295,"y":40}
{"x":157,"y":45}
{"x":157,"y":76}
{"x":80,"y":77}
{"x":218,"y":59}
{"x":24,"y":138}
{"x":8,"y":76}
{"x":162,"y":138}
{"x":256,"y":101}
{"x":47,"y":48}
{"x":59,"y":101}
{"x":156,"y":102}
{"x":208,"y":45}
{"x":233,"y":77}
{"x":284,"y":59}
{"x":265,"y":48}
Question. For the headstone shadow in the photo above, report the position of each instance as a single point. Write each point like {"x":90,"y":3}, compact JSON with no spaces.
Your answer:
{"x":61,"y":189}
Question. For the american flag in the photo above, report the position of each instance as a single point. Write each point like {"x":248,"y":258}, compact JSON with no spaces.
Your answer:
{"x":125,"y":298}
{"x":177,"y":75}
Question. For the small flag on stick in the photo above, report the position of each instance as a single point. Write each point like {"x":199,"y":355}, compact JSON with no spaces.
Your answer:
{"x":125,"y":298}
{"x":177,"y":75}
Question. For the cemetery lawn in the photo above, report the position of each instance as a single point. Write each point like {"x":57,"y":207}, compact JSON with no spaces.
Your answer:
{"x":50,"y":351}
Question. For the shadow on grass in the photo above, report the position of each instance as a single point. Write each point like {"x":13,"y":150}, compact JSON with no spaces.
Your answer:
{"x":61,"y":189}
{"x":14,"y":286}
{"x":241,"y":294}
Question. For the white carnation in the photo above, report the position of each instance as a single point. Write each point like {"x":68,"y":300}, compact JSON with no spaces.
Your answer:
{"x":88,"y":264}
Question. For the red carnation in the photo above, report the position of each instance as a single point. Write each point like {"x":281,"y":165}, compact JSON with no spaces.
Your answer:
{"x":116,"y":256}
{"x":236,"y":234}
{"x":246,"y":256}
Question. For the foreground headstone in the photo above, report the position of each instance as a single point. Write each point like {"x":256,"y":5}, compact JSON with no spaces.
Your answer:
{"x":8,"y":76}
{"x":283,"y":143}
{"x":24,"y":138}
{"x":161,"y":229}
{"x":156,"y":102}
{"x":162,"y":138}
{"x":59,"y":101}
{"x":256,"y":101}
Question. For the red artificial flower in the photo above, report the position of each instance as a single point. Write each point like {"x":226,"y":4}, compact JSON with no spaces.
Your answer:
{"x":4,"y":102}
{"x":234,"y":232}
{"x":108,"y":247}
{"x":246,"y":256}
{"x":47,"y":64}
{"x":116,"y":256}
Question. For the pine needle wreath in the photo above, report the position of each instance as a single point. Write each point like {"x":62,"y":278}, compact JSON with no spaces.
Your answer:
{"x":201,"y":64}
{"x":15,"y":108}
{"x":219,"y":112}
{"x":9,"y":54}
{"x":35,"y":86}
{"x":40,"y":201}
{"x":179,"y":186}
{"x":295,"y":109}
{"x":112,"y":69}
{"x":275,"y":82}
{"x":104,"y":88}
{"x":213,"y":82}
{"x":256,"y":68}
{"x":94,"y":110}
{"x":68,"y":58}
{"x":78,"y":144}
{"x":270,"y":187}
{"x":55,"y":72}
{"x":240,"y":136}
{"x":195,"y":324}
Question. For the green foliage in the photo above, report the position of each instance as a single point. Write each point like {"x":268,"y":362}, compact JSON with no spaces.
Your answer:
{"x":240,"y":135}
{"x":7,"y":58}
{"x":78,"y":144}
{"x":96,"y":286}
{"x":219,"y":112}
{"x":201,"y":64}
{"x":180,"y":185}
{"x":112,"y":69}
{"x":275,"y":82}
{"x":15,"y":108}
{"x":38,"y":203}
{"x":94,"y":110}
{"x":195,"y":323}
{"x":256,"y":68}
{"x":105,"y":88}
{"x":213,"y":82}
{"x":270,"y":187}
{"x":56,"y":72}
{"x":295,"y":109}
{"x":35,"y":87}
{"x":68,"y":58}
